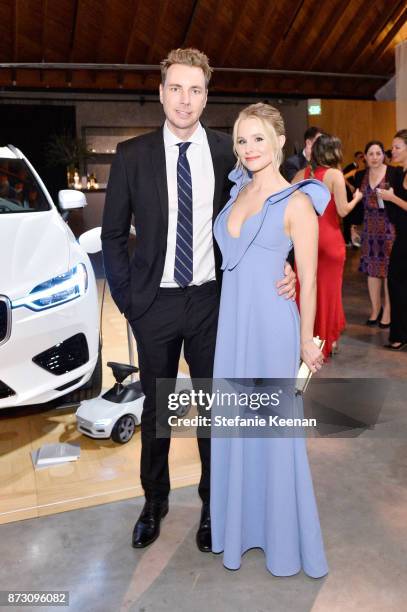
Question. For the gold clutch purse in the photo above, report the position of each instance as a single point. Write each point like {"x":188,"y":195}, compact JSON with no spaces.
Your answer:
{"x":304,"y":373}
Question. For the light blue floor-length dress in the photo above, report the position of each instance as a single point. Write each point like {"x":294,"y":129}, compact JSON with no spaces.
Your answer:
{"x":261,"y":488}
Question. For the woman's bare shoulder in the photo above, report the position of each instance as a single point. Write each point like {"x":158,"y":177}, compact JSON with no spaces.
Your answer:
{"x":334,"y":174}
{"x":300,"y":201}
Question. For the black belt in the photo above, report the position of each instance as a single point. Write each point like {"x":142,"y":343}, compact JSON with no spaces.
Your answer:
{"x":209,"y":287}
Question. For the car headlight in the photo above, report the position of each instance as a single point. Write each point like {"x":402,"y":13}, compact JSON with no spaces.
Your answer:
{"x":102,"y":422}
{"x":56,"y":291}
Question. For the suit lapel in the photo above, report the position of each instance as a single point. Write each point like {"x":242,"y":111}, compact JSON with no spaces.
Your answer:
{"x":218,"y":168}
{"x":160,"y":173}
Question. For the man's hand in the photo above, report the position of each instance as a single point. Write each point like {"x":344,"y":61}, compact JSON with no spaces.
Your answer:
{"x":287,"y":286}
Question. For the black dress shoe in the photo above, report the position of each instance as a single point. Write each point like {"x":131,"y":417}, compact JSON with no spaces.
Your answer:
{"x":204,"y":536}
{"x":396,"y":346}
{"x":372,"y":322}
{"x":384,"y":325}
{"x":147,"y":528}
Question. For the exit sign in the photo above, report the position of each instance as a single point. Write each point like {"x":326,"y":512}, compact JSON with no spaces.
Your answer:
{"x":314,"y":106}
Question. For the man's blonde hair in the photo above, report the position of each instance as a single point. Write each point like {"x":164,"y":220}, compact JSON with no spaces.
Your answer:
{"x":272,"y":123}
{"x":187,"y":57}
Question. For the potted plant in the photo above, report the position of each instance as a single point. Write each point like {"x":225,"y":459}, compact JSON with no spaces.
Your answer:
{"x":65,"y":149}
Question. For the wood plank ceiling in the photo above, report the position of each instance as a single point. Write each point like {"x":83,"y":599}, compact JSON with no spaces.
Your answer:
{"x":340,"y":36}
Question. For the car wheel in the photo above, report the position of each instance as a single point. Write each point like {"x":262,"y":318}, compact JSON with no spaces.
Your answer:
{"x":90,"y":389}
{"x":182,"y":411}
{"x":124,"y":429}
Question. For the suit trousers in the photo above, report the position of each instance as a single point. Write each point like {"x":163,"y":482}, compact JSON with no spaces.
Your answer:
{"x":177,"y":316}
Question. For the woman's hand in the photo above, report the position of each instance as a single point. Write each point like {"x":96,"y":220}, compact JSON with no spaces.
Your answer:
{"x":358,"y":195}
{"x":386,"y":194}
{"x":350,"y":186}
{"x":312,"y":355}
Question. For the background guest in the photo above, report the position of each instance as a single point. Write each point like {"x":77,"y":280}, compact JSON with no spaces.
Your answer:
{"x":358,"y":163}
{"x":326,"y":157}
{"x":388,"y":157}
{"x":296,"y":162}
{"x":396,"y":204}
{"x":378,"y":233}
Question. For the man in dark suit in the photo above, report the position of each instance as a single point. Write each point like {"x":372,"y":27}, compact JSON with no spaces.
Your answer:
{"x":297,"y":162}
{"x":173,"y":182}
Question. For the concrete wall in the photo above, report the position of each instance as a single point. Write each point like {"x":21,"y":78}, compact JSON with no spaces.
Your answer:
{"x":127,"y":111}
{"x":217,"y":114}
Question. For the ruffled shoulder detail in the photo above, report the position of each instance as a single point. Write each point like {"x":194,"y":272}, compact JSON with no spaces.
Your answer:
{"x":235,"y":248}
{"x":240,"y":177}
{"x":318,"y":193}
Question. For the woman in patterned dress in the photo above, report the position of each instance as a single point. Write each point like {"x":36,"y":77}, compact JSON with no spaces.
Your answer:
{"x":378,"y":233}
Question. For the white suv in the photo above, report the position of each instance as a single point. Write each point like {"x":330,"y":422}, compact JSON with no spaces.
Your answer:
{"x":49,"y":327}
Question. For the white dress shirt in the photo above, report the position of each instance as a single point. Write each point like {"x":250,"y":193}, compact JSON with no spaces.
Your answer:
{"x":203,"y":187}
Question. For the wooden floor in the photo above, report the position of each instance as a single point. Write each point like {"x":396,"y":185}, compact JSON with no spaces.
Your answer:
{"x":108,"y":472}
{"x":105,"y":471}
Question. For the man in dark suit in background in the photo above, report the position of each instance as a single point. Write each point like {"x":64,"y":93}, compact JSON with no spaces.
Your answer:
{"x":173,"y":182}
{"x":300,"y":160}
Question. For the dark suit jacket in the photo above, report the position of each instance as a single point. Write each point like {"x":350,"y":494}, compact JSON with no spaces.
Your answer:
{"x":292,"y":165}
{"x":138,"y":188}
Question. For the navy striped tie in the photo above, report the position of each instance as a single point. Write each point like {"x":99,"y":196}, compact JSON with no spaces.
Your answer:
{"x":183,"y":271}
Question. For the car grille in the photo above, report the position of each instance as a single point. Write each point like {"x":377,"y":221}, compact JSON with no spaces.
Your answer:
{"x":5,"y":390}
{"x":85,"y":429}
{"x":65,"y":356}
{"x":84,"y":424}
{"x":5,"y":319}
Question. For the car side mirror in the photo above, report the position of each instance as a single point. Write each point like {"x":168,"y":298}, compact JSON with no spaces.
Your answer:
{"x":91,"y":241}
{"x":71,"y":198}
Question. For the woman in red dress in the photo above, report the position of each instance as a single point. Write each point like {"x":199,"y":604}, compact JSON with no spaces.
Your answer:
{"x":326,"y":158}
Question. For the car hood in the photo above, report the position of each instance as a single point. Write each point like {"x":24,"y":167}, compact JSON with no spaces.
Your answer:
{"x":34,"y":247}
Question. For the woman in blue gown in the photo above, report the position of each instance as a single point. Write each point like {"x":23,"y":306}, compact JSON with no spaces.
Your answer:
{"x":261,"y":488}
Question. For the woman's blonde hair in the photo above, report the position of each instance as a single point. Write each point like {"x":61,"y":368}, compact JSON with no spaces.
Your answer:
{"x":273,"y":126}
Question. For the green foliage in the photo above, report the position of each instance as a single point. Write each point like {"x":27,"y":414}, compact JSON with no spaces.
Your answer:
{"x":64,"y":149}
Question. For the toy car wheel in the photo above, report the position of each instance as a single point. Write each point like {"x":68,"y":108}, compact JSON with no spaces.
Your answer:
{"x":124,"y":429}
{"x":182,"y":411}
